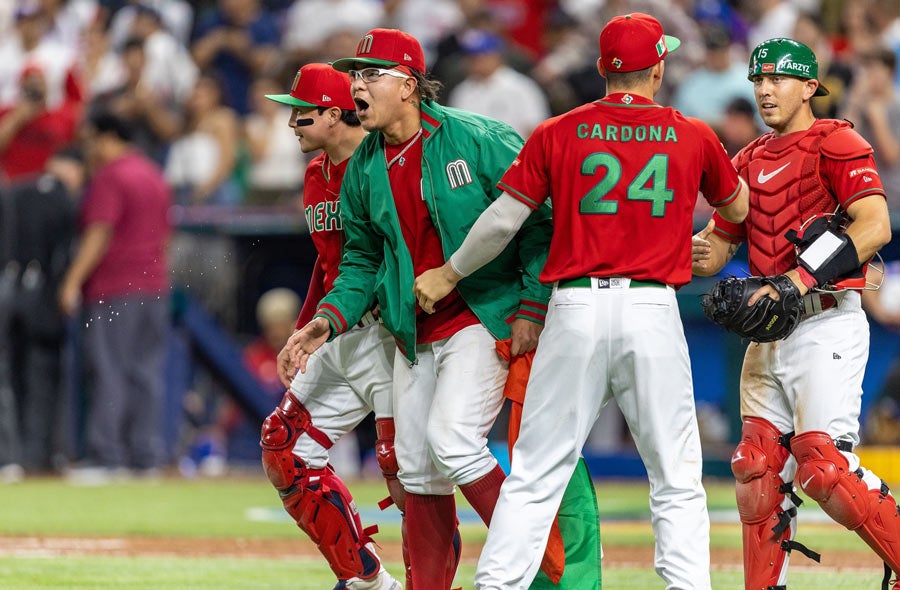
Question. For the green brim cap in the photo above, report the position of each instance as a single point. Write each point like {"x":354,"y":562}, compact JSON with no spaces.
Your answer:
{"x":672,"y":43}
{"x":290,"y":100}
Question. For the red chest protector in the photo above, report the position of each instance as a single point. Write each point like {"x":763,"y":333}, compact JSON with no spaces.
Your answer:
{"x":786,"y":189}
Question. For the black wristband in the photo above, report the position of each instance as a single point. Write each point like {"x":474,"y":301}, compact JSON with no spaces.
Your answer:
{"x":843,"y":260}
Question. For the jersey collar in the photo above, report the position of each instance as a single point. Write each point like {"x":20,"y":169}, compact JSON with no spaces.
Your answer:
{"x":627,"y":99}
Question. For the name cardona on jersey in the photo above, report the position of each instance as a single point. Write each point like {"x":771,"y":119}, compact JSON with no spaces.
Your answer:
{"x":605,"y":132}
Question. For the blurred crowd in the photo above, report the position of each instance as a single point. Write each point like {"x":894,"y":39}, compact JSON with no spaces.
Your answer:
{"x":189,"y":78}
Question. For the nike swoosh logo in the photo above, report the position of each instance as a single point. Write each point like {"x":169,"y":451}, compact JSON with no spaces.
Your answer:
{"x":806,"y":483}
{"x":764,"y":178}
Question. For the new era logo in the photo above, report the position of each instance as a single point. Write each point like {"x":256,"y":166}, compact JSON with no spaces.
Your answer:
{"x":407,"y":57}
{"x":835,"y":356}
{"x":326,"y":98}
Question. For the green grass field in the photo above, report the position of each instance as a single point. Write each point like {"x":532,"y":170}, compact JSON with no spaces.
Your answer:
{"x":42,"y":520}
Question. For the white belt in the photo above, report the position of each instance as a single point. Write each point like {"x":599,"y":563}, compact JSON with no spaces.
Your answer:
{"x":814,"y":303}
{"x":368,"y":319}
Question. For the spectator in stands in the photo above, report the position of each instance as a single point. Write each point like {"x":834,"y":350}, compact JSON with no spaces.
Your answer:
{"x":28,"y":45}
{"x":201,"y":163}
{"x":566,"y":71}
{"x":177,"y":18}
{"x":429,"y":21}
{"x":277,"y":166}
{"x":40,"y":227}
{"x":119,"y":279}
{"x":873,"y":105}
{"x":239,"y":41}
{"x":169,"y":71}
{"x":68,"y":20}
{"x":490,"y":84}
{"x":738,"y":125}
{"x":722,"y":76}
{"x":309,"y":23}
{"x":834,"y":74}
{"x":31,"y":130}
{"x":769,"y":19}
{"x":155,"y":120}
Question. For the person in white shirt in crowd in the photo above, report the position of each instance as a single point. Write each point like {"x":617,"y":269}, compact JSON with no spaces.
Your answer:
{"x":309,"y":23}
{"x":277,"y":167}
{"x":494,"y":89}
{"x":28,"y":45}
{"x":177,"y":18}
{"x":706,"y":92}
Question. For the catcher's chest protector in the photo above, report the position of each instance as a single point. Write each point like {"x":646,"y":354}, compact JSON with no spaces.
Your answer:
{"x":785,"y":191}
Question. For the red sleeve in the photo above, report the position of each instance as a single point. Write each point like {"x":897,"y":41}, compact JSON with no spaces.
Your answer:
{"x":314,"y":295}
{"x":527,"y":179}
{"x":719,"y":183}
{"x":852,"y":179}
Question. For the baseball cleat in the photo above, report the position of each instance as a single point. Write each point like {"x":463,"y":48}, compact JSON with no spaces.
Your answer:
{"x":383,"y":581}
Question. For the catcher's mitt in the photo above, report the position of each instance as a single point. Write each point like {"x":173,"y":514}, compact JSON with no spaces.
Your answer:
{"x":764,"y":321}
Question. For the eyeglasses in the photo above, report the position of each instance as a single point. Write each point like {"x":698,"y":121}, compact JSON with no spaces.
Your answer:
{"x":370,"y":75}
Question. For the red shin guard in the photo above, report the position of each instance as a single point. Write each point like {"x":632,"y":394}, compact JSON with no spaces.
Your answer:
{"x":824,"y":474}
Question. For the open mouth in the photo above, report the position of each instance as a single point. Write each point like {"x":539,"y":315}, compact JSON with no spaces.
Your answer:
{"x":361,"y":105}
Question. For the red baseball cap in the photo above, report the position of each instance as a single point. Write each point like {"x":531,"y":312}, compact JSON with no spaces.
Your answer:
{"x":633,"y":42}
{"x":385,"y":48}
{"x":318,"y":85}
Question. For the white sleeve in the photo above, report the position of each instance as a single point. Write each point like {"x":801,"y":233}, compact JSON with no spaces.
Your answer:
{"x":490,"y":234}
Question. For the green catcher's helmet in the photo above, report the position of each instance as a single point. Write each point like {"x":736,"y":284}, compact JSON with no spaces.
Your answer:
{"x":788,"y":58}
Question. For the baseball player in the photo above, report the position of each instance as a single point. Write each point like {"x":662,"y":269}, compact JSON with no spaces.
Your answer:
{"x":623,"y":174}
{"x":352,"y":375}
{"x":800,"y":396}
{"x":411,"y":191}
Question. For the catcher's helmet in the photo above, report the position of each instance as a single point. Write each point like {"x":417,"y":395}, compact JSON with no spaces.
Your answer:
{"x":788,"y":58}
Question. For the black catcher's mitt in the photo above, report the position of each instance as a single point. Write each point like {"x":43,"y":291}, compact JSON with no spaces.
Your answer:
{"x":766,"y":320}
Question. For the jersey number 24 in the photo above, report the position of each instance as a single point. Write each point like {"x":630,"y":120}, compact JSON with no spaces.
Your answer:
{"x":648,"y":185}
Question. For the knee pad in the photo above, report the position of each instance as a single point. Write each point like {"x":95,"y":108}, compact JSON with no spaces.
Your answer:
{"x":757,"y":463}
{"x":824,"y":474}
{"x":279,"y":434}
{"x":387,"y":461}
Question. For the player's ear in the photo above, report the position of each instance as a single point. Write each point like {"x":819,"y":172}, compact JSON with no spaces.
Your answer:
{"x":409,"y":87}
{"x":810,"y":88}
{"x":600,"y":67}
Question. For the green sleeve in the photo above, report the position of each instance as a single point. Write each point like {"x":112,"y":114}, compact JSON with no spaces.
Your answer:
{"x":353,"y":291}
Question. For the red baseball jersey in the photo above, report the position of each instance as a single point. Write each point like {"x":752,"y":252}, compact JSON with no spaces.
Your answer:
{"x":623,"y":174}
{"x":322,"y":207}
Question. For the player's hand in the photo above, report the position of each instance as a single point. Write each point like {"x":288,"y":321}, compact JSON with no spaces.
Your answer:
{"x":286,"y":368}
{"x":306,"y":341}
{"x":700,"y":247}
{"x":524,"y":334}
{"x":769,"y":290}
{"x":433,"y":285}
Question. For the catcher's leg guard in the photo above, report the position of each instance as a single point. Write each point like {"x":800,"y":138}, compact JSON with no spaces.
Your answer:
{"x":316,"y":499}
{"x":824,"y":474}
{"x":757,"y":463}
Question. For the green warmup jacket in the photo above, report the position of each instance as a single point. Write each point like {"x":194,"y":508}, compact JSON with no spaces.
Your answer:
{"x":464,"y":155}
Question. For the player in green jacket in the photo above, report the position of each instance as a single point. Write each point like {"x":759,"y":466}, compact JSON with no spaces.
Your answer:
{"x":411,"y":192}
